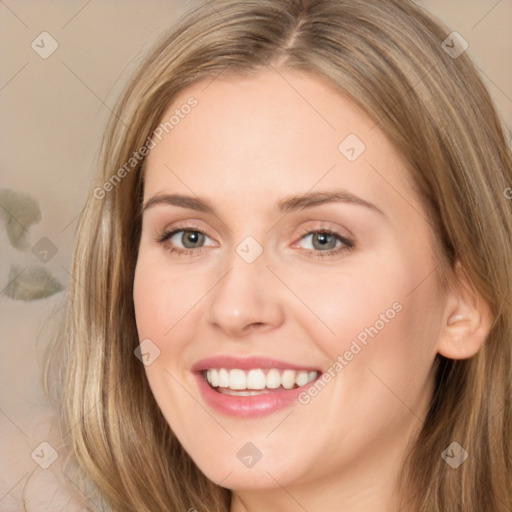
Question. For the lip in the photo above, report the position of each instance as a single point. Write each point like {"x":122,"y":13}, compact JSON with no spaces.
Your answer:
{"x":248,"y":406}
{"x":247,"y":363}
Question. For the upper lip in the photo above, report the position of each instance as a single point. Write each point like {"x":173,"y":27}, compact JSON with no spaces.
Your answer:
{"x":247,"y":363}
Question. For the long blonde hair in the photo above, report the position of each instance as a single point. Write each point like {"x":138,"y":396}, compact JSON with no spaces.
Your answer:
{"x":388,"y":56}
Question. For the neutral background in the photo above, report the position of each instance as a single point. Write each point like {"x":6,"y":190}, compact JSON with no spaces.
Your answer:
{"x":53,"y":112}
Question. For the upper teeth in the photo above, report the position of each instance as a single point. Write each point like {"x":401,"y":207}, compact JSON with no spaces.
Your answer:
{"x":257,"y":379}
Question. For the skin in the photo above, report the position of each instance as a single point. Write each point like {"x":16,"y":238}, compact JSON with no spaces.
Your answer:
{"x":248,"y":144}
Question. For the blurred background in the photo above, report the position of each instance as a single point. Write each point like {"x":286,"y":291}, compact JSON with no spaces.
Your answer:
{"x":63,"y":64}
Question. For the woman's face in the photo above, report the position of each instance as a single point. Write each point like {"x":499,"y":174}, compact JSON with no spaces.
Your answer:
{"x":281,"y":242}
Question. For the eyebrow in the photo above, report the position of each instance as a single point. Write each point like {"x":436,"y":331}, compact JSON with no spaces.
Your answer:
{"x":286,"y":205}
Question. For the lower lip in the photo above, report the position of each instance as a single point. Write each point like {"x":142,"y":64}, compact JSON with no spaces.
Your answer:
{"x":249,"y":406}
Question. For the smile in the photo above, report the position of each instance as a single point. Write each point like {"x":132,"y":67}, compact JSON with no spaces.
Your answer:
{"x":239,"y":382}
{"x":250,"y":387}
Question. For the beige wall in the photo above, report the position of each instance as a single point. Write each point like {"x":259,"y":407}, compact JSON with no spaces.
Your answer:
{"x":53,"y":111}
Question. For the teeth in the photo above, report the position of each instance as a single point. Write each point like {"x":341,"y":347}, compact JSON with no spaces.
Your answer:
{"x":303,"y":378}
{"x":213,"y":378}
{"x":257,"y":379}
{"x":242,"y":393}
{"x":223,"y":378}
{"x":237,"y":379}
{"x":288,"y":379}
{"x":273,"y":379}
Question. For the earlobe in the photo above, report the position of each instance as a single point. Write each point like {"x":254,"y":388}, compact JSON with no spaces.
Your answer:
{"x":466,"y":322}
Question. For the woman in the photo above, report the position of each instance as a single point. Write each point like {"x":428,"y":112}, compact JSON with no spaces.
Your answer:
{"x":292,"y":284}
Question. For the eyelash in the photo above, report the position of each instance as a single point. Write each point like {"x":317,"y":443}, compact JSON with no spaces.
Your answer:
{"x":348,"y":245}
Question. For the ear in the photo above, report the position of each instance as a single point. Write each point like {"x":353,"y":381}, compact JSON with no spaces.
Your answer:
{"x":467,"y":319}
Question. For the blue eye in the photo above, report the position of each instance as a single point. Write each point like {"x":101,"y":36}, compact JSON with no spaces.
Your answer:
{"x":191,"y":240}
{"x":320,"y":243}
{"x":324,"y":243}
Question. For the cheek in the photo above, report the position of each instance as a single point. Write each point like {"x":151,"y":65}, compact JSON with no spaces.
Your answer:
{"x":157,"y":314}
{"x":162,"y":297}
{"x":393,"y":370}
{"x":343,"y":301}
{"x":167,"y":304}
{"x":381,"y":312}
{"x":159,"y":301}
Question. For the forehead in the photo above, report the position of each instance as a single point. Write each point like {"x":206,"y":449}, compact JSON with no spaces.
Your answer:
{"x":271,"y":135}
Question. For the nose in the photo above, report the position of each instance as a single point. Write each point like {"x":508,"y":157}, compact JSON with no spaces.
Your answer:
{"x":245,"y":299}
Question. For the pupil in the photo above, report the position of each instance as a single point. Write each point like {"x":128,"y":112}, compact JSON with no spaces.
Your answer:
{"x":325,"y":240}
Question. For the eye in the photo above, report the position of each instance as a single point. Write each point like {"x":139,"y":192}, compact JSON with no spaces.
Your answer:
{"x":318,"y":243}
{"x":325,"y":242}
{"x":185,"y":241}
